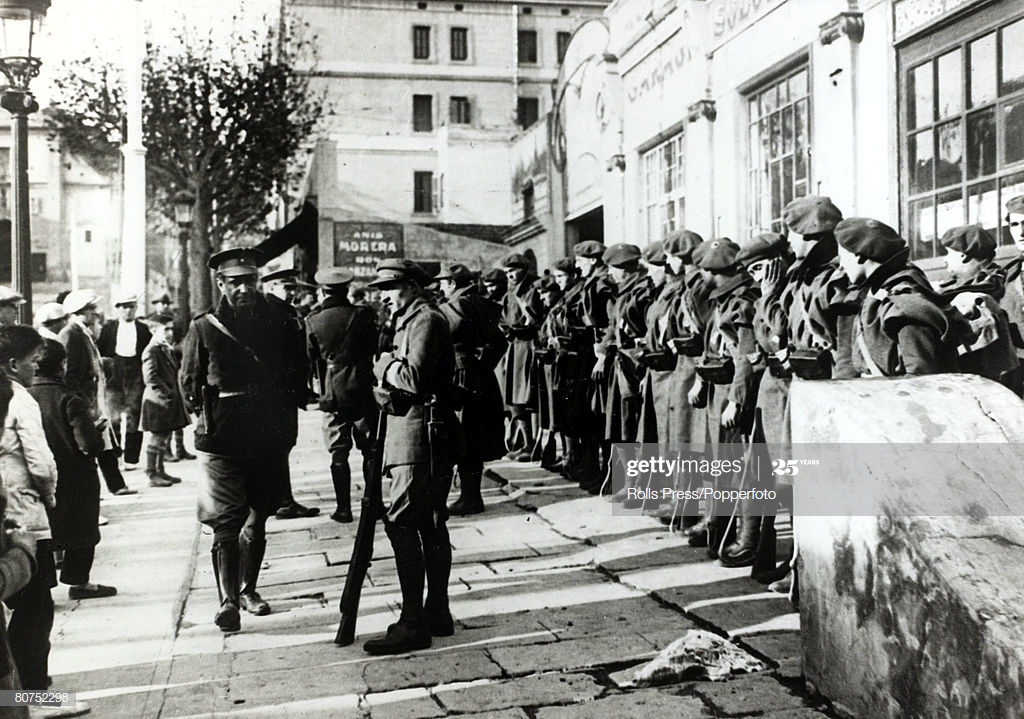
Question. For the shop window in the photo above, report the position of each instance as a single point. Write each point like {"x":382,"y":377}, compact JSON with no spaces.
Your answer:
{"x":527,"y":111}
{"x":460,"y":43}
{"x":562,"y":43}
{"x":422,"y":113}
{"x":421,"y":42}
{"x":423,"y":192}
{"x":458,"y":108}
{"x":779,"y":148}
{"x":962,"y":133}
{"x":527,"y":47}
{"x":664,"y":171}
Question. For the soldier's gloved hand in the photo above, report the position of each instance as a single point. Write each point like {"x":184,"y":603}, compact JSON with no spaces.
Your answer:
{"x":697,"y":397}
{"x":381,"y":365}
{"x":730,"y":415}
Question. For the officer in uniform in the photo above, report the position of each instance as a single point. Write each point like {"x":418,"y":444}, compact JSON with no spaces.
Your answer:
{"x":904,"y":326}
{"x":521,"y":315}
{"x":479,"y":346}
{"x":415,"y":389}
{"x":244,"y":373}
{"x":341,"y":339}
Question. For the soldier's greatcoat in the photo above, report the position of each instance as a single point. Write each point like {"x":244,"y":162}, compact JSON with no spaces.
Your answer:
{"x":522,"y":313}
{"x":627,"y":323}
{"x":656,"y":388}
{"x":341,"y":340}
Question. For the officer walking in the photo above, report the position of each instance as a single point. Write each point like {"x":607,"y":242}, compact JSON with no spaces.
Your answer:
{"x":341,"y":339}
{"x":415,"y":389}
{"x":244,"y":373}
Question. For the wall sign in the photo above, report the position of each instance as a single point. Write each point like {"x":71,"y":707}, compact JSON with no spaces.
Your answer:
{"x":359,"y":246}
{"x":730,"y":17}
{"x":912,"y":15}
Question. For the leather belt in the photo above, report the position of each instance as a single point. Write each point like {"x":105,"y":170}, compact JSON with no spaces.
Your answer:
{"x":250,"y":391}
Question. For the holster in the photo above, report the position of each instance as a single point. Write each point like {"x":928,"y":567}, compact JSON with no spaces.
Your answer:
{"x":811,"y":363}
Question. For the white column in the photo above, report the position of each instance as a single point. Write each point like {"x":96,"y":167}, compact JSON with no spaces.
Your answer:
{"x":133,"y":235}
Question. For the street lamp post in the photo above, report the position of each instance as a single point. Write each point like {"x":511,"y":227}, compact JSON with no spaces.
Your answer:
{"x":20,"y":22}
{"x":183,"y":204}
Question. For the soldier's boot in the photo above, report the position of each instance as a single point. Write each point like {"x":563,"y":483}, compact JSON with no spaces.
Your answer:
{"x":765,"y":555}
{"x":179,"y":446}
{"x":549,"y":451}
{"x":410,"y":631}
{"x":469,"y":501}
{"x":132,"y":447}
{"x":225,"y":569}
{"x":697,"y":534}
{"x":564,"y":464}
{"x":152,"y":470}
{"x":251,"y":551}
{"x":437,"y":560}
{"x":341,"y":477}
{"x":160,"y":470}
{"x":721,"y":532}
{"x":743,"y":550}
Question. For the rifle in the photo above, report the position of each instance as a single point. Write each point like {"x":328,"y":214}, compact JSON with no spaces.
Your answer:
{"x":362,"y":549}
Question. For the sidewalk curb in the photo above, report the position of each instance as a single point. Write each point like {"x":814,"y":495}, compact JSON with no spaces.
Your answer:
{"x":178,"y":608}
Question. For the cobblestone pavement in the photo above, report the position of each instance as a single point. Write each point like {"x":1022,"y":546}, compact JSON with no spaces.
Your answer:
{"x":552,"y":594}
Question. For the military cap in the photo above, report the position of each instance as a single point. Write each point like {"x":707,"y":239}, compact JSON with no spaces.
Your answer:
{"x":515,"y":260}
{"x":495,"y":277}
{"x":811,"y":215}
{"x":972,"y":240}
{"x":1016,"y":204}
{"x":126,"y":298}
{"x":162,"y":299}
{"x":589,"y":248}
{"x":285,"y":274}
{"x":654,"y":253}
{"x":547,"y":284}
{"x":390,"y":272}
{"x":333,"y":276}
{"x":235,"y":262}
{"x":457,"y":272}
{"x":621,"y":254}
{"x":566,"y":265}
{"x":765,"y":245}
{"x":681,"y":243}
{"x":869,"y":238}
{"x":50,"y":312}
{"x":78,"y":300}
{"x":10,"y":297}
{"x":716,"y":255}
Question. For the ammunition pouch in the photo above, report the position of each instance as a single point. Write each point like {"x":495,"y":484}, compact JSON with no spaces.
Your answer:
{"x":811,"y":364}
{"x":777,"y":367}
{"x":545,"y":355}
{"x":690,"y":345}
{"x":396,"y":402}
{"x":659,"y":361}
{"x":717,"y":370}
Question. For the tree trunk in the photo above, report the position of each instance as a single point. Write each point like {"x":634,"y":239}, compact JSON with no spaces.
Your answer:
{"x":199,"y":253}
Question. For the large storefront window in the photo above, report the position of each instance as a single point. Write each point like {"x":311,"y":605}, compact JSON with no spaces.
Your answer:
{"x":780,"y":157}
{"x":664,"y":189}
{"x":962,"y":131}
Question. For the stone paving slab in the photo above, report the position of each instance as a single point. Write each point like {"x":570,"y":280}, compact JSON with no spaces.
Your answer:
{"x":516,"y":713}
{"x":777,"y":647}
{"x":125,"y":706}
{"x":573,"y":654}
{"x":745,"y":611}
{"x":643,"y":703}
{"x":672,"y":556}
{"x":683,"y":595}
{"x":743,"y":696}
{"x":428,"y":670}
{"x":419,"y":705}
{"x":795,"y":714}
{"x":632,"y":615}
{"x":538,"y":690}
{"x":295,"y":684}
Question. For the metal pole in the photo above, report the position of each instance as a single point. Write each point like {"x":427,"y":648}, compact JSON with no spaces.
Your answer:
{"x":20,"y":104}
{"x":133,"y":228}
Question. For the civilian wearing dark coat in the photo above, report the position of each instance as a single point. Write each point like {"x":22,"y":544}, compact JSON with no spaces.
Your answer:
{"x":125,"y":385}
{"x":163,"y":409}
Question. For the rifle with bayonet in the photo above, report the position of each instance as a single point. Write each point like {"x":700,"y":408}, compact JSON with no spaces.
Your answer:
{"x":362,"y":549}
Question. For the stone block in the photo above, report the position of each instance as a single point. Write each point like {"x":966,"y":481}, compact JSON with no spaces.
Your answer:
{"x":644,"y":703}
{"x":429,"y":670}
{"x":573,"y":654}
{"x":534,"y":691}
{"x":777,"y":647}
{"x":747,"y":695}
{"x":394,"y":705}
{"x":295,"y":684}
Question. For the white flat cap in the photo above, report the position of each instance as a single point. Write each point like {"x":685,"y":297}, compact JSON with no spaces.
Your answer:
{"x":77,"y":299}
{"x":50,"y":312}
{"x":10,"y":297}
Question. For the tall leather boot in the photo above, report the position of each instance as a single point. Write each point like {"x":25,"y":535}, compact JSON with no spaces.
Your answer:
{"x":225,"y":569}
{"x":765,"y":556}
{"x":153,"y":470}
{"x":160,"y":469}
{"x":437,"y":560}
{"x":251,"y":553}
{"x":742,"y":551}
{"x":469,"y":501}
{"x":179,"y":446}
{"x":341,"y":477}
{"x":721,"y":531}
{"x":132,"y":447}
{"x":411,"y":630}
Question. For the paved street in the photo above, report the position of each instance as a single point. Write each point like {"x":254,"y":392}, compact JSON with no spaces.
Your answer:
{"x":552,"y":594}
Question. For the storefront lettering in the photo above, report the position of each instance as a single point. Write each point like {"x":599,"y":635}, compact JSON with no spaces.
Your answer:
{"x":730,"y":16}
{"x":360,"y":246}
{"x":647,"y":80}
{"x":910,"y":15}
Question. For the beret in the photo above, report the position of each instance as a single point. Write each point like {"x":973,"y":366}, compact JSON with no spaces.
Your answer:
{"x":681,"y":243}
{"x":1016,"y":204}
{"x":589,"y":248}
{"x":765,"y":245}
{"x":515,"y":260}
{"x":495,"y":277}
{"x":566,"y":265}
{"x":333,"y":276}
{"x":621,"y":254}
{"x":78,"y":299}
{"x":10,"y":297}
{"x":235,"y":261}
{"x":654,"y":253}
{"x":50,"y":312}
{"x":869,"y":238}
{"x":456,"y":272}
{"x":972,"y":240}
{"x":547,"y":284}
{"x":390,"y":272}
{"x":716,"y":255}
{"x":286,"y":274}
{"x":811,"y":215}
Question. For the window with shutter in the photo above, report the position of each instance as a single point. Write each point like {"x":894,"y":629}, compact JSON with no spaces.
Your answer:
{"x":460,"y":43}
{"x":527,"y":47}
{"x":421,"y":42}
{"x":422,"y":113}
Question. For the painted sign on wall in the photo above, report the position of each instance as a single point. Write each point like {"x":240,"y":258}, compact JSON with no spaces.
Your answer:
{"x":911,"y":15}
{"x":359,"y":246}
{"x":730,"y":17}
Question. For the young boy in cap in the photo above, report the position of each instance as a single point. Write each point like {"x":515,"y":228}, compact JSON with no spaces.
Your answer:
{"x":163,"y":410}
